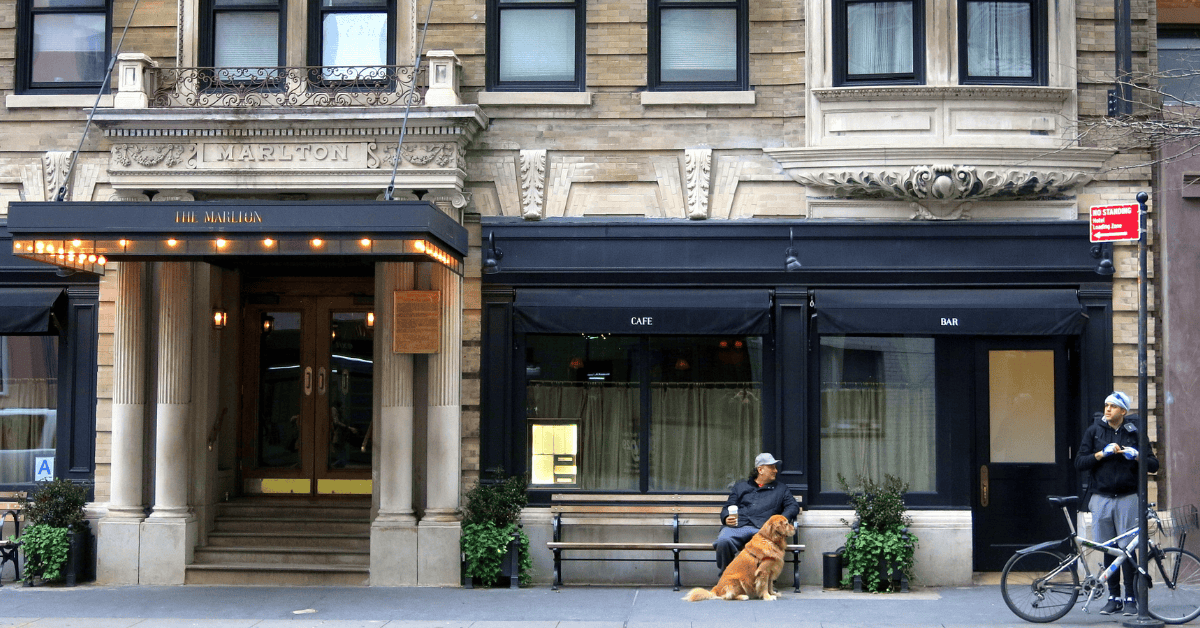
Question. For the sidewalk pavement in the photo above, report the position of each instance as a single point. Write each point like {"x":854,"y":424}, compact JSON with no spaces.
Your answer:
{"x":96,"y":606}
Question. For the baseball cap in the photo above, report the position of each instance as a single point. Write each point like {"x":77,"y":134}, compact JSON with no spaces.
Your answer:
{"x":765,"y":458}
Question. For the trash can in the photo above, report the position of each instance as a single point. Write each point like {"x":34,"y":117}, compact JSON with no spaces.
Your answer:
{"x":831,"y":569}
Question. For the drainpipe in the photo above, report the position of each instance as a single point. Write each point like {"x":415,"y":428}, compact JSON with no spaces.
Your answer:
{"x":1120,"y":98}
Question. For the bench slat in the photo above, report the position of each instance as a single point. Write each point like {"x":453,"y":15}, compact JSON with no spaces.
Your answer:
{"x":636,"y":510}
{"x":689,"y":547}
{"x":637,"y":497}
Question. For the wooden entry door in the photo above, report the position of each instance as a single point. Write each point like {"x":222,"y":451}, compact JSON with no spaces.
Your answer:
{"x":1023,"y":446}
{"x":307,"y":396}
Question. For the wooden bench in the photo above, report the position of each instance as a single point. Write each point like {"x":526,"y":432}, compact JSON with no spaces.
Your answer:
{"x":641,"y":510}
{"x":12,"y":504}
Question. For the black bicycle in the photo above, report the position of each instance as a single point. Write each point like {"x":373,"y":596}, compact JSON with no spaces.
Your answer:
{"x":1041,"y":583}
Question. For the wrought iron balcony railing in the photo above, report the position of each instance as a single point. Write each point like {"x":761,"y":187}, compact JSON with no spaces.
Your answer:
{"x":313,"y":86}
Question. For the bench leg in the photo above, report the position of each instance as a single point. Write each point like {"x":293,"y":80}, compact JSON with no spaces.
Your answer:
{"x":557,"y":571}
{"x":796,"y":569}
{"x":676,"y":553}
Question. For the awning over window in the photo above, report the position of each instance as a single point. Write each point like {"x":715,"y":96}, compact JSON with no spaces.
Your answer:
{"x":1040,"y":312}
{"x":31,"y":310}
{"x":643,"y":311}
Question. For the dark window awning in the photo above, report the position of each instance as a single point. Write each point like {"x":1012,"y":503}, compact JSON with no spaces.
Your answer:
{"x":79,"y":234}
{"x":1036,"y":312}
{"x":31,"y":310}
{"x":643,"y":311}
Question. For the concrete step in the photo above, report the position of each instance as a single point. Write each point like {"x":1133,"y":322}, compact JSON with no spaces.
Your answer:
{"x":347,"y":541}
{"x":350,"y":509}
{"x":249,"y":574}
{"x":280,"y":556}
{"x":299,"y":526}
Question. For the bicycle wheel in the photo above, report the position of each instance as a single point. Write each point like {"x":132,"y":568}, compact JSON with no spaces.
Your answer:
{"x":1175,"y":595}
{"x":1035,"y":595}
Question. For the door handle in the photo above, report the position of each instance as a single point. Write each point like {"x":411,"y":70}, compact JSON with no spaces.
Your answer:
{"x":321,"y":381}
{"x":307,"y":381}
{"x":983,"y":486}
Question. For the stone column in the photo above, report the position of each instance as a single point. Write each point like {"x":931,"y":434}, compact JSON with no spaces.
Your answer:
{"x":117,"y":555}
{"x":168,"y":536}
{"x":440,"y":529}
{"x":394,"y":530}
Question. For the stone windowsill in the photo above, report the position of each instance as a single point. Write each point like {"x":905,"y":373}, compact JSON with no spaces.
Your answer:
{"x":698,"y":98}
{"x":57,"y":101}
{"x":579,"y":99}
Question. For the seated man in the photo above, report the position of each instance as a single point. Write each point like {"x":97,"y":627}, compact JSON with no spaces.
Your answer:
{"x":756,"y":500}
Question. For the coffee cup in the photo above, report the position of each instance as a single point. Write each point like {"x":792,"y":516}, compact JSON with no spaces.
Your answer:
{"x":733,"y":511}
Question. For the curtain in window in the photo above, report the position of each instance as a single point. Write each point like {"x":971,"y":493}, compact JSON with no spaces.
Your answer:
{"x":537,"y":45}
{"x":703,"y":436}
{"x":879,"y":38}
{"x":698,"y":45}
{"x":28,"y":402}
{"x":68,"y":48}
{"x":881,"y":419}
{"x":999,"y":42}
{"x":354,"y":39}
{"x":609,"y":418}
{"x":246,"y":40}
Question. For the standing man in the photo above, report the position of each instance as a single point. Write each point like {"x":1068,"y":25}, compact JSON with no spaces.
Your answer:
{"x":1109,"y":453}
{"x":755,"y":500}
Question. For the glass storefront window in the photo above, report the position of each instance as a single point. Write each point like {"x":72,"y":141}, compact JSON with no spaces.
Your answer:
{"x":28,"y":404}
{"x":590,"y":398}
{"x":878,"y":410}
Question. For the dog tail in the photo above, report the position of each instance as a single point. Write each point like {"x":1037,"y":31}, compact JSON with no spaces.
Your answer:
{"x":697,"y":594}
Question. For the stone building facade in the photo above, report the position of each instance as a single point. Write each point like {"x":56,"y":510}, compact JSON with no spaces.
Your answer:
{"x":654,"y":158}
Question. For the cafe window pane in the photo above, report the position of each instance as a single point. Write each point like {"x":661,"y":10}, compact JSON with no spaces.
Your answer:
{"x":28,"y":404}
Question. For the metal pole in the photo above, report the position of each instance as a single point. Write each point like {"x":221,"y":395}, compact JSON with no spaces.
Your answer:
{"x":1143,"y":617}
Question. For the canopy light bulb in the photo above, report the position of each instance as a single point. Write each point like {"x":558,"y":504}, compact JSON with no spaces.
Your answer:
{"x":172,"y":242}
{"x":268,"y":242}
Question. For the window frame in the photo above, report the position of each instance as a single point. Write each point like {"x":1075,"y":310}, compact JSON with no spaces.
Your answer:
{"x":841,"y":59}
{"x":208,"y":29}
{"x":316,"y":31}
{"x":492,"y":82}
{"x":1188,"y":31}
{"x":1039,"y":46}
{"x":24,"y":61}
{"x":654,"y":80}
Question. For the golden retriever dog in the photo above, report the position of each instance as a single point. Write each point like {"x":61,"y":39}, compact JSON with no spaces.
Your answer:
{"x":753,"y":571}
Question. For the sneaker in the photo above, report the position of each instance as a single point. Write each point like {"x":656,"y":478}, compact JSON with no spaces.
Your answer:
{"x":1113,"y":607}
{"x":1130,"y":607}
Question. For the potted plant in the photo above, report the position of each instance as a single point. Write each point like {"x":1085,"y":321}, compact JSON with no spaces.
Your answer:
{"x":880,"y":547}
{"x":492,"y":540}
{"x":57,"y":541}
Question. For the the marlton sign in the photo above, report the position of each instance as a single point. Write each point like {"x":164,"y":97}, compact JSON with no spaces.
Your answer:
{"x":278,"y":155}
{"x":218,"y":216}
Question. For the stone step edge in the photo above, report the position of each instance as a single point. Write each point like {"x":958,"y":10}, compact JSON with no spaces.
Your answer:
{"x":292,"y":535}
{"x":281,"y":550}
{"x":280,"y":568}
{"x":366,"y":521}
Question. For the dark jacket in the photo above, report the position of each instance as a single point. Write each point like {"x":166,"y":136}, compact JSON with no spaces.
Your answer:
{"x":756,"y":504}
{"x":1114,"y":474}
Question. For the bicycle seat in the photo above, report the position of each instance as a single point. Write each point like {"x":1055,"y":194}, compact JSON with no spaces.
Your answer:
{"x":1063,"y":501}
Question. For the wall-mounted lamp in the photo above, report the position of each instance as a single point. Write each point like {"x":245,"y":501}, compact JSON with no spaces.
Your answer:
{"x":491,"y":256}
{"x":220,"y":318}
{"x":1104,"y":254}
{"x":268,"y":324}
{"x":791,"y":262}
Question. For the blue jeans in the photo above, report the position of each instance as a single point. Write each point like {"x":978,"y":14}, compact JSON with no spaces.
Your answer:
{"x":731,"y":541}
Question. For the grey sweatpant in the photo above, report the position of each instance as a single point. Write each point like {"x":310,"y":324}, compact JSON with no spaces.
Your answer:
{"x":1112,"y":516}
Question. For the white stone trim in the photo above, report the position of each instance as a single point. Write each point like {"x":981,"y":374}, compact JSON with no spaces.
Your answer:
{"x":56,"y":101}
{"x":698,"y":98}
{"x":571,"y":99}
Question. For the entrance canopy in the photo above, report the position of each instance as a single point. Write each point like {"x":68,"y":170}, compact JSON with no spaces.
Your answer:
{"x":643,"y":311}
{"x":1034,"y":312}
{"x":31,"y":310}
{"x":85,"y":235}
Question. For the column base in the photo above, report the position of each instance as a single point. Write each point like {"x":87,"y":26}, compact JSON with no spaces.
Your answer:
{"x":118,"y":550}
{"x":167,"y":546}
{"x":394,"y":553}
{"x":439,"y":557}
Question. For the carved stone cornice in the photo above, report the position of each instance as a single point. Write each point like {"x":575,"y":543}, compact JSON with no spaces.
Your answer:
{"x":532,"y":167}
{"x":944,"y":182}
{"x":950,"y":92}
{"x":697,"y":165}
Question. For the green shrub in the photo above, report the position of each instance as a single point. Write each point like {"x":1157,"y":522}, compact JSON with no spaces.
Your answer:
{"x":879,"y":535}
{"x":57,"y":503}
{"x":490,"y":518}
{"x":45,"y":551}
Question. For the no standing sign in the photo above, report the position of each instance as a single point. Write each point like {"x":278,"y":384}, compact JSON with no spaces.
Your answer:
{"x":1114,"y":222}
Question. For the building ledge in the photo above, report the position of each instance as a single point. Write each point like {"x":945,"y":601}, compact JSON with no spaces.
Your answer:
{"x":698,"y":98}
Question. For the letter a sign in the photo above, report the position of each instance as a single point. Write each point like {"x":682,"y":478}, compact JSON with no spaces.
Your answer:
{"x":1114,"y":222}
{"x":43,"y":469}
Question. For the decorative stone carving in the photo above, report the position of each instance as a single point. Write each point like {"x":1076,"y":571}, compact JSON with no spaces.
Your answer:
{"x":54,"y":167}
{"x":174,"y":195}
{"x":533,"y":183}
{"x":424,"y":154}
{"x":127,"y":196}
{"x":697,"y":165}
{"x":152,"y":155}
{"x":944,"y":182}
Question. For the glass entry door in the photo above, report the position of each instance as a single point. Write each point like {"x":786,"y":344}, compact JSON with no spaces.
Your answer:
{"x":307,"y":397}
